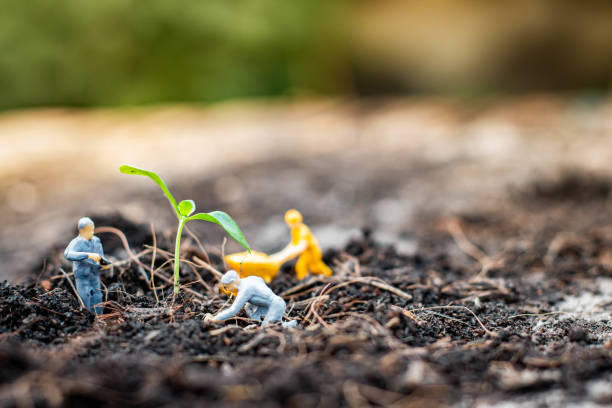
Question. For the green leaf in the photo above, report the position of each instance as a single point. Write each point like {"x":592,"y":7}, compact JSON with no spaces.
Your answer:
{"x":140,"y":172}
{"x":186,"y":207}
{"x":225,"y":221}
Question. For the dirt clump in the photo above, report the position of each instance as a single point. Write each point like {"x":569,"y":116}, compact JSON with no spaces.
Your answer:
{"x":34,"y":314}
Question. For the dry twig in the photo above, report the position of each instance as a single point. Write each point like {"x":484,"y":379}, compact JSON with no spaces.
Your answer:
{"x":487,"y":331}
{"x":73,"y":288}
{"x":486,"y":262}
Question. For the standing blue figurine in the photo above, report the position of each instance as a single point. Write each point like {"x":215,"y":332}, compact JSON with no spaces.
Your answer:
{"x":86,"y":253}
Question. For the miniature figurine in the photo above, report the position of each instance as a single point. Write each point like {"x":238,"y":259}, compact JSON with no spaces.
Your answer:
{"x":302,"y":241}
{"x":87,"y":256}
{"x":255,"y":296}
{"x":303,"y":244}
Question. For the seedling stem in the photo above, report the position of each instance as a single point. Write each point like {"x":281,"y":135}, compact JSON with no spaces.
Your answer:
{"x":177,"y":250}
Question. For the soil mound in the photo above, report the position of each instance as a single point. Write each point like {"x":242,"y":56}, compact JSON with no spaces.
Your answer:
{"x":35,"y":314}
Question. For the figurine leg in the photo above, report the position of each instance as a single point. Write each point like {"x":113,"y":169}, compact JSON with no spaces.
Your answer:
{"x":321,"y":269}
{"x":275,"y":311}
{"x":290,"y":324}
{"x":255,"y":312}
{"x":250,"y":309}
{"x":301,"y":267}
{"x":96,"y":296}
{"x":85,"y":290}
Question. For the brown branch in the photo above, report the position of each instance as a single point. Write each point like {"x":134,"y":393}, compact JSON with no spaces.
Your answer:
{"x":376,"y":282}
{"x":207,"y":266}
{"x":124,"y":242}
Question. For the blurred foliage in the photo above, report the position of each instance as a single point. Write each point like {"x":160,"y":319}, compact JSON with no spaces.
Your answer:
{"x":128,"y":52}
{"x":121,"y":52}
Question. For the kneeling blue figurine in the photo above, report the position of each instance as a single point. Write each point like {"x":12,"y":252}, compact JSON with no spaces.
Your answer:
{"x":87,"y":256}
{"x":255,"y":296}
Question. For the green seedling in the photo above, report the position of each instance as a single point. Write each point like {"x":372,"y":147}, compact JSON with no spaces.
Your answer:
{"x":184,"y":211}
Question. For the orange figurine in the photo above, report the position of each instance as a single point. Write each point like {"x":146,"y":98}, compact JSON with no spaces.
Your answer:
{"x":303,"y":244}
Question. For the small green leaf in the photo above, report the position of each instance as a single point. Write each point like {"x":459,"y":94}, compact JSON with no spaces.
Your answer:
{"x":225,"y":221}
{"x":134,"y":170}
{"x":186,"y":207}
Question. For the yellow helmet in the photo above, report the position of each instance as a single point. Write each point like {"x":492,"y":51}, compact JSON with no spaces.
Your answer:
{"x":293,"y":217}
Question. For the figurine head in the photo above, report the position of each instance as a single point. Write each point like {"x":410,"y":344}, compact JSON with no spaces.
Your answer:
{"x":86,"y":227}
{"x":230,"y":281}
{"x":293,"y":218}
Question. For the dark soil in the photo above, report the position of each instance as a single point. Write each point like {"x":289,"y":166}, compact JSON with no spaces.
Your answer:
{"x":471,"y":318}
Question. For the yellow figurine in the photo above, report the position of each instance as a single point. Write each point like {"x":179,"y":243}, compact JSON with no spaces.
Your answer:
{"x":303,"y":244}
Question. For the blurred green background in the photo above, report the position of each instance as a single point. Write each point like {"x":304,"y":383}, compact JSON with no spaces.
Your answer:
{"x":86,"y":53}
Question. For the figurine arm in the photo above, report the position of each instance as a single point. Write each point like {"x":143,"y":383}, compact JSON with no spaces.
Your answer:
{"x":290,"y":252}
{"x":99,"y":249}
{"x":241,"y":299}
{"x":72,"y":255}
